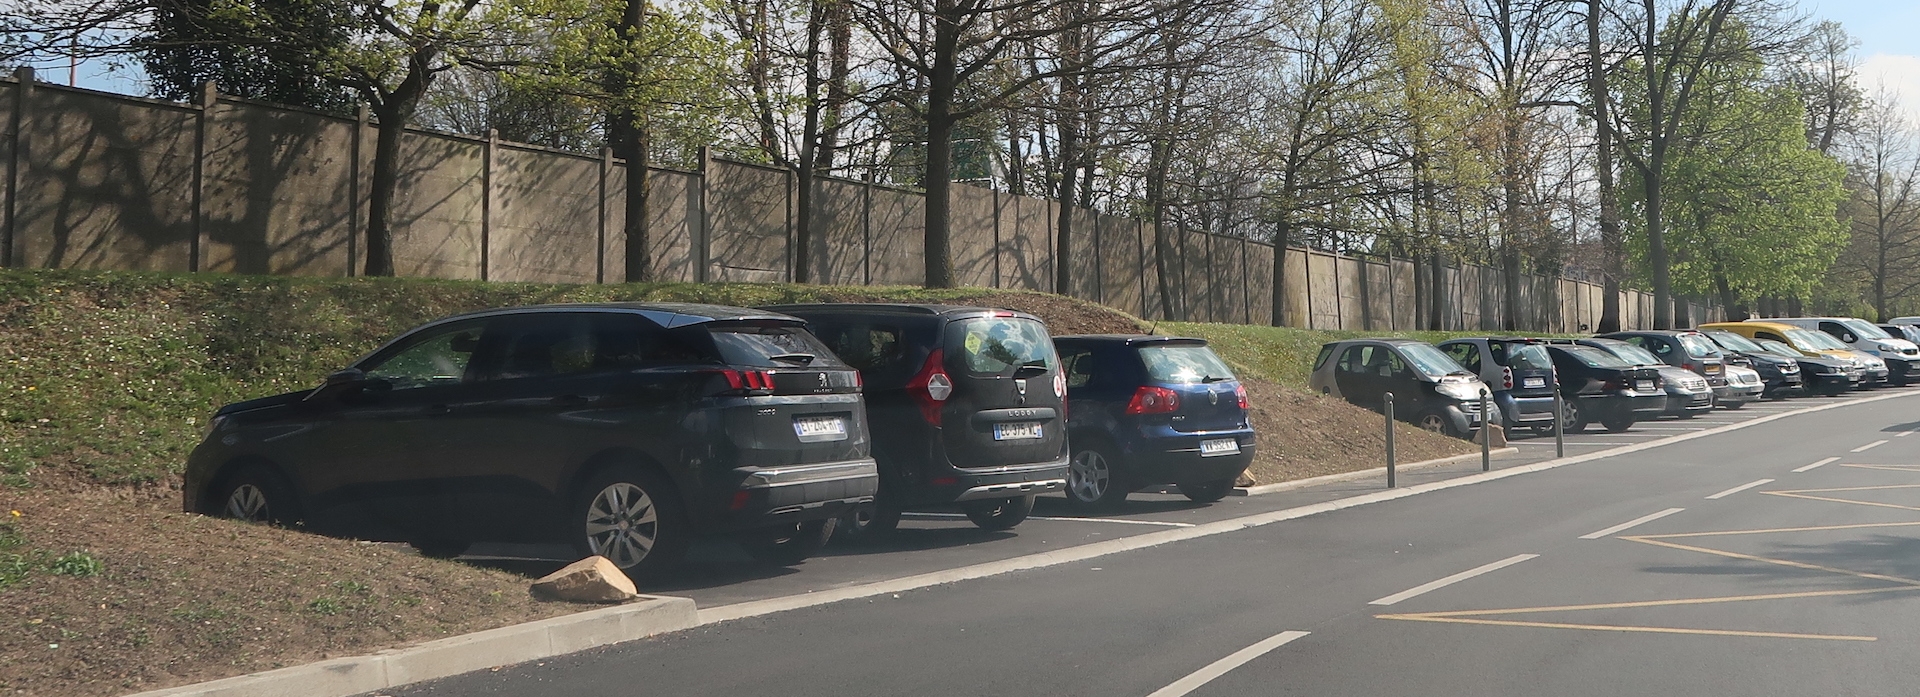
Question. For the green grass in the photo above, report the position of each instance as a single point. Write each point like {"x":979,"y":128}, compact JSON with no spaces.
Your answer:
{"x":1285,"y":354}
{"x":110,"y":375}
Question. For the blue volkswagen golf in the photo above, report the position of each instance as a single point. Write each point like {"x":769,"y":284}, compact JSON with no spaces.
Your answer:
{"x":1145,"y":410}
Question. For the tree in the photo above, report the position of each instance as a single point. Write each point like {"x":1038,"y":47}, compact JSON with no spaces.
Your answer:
{"x":1599,"y":106}
{"x":519,"y":110}
{"x":191,"y":42}
{"x":1883,"y":210}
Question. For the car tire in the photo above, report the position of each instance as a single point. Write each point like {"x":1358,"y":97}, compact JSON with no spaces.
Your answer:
{"x":868,"y":524}
{"x":787,"y":545}
{"x":441,"y":549}
{"x":1573,"y":420}
{"x":258,"y":494}
{"x":1206,"y":492}
{"x":1437,"y":422}
{"x":631,"y":516}
{"x":1093,"y":482}
{"x":998,"y":514}
{"x":1618,"y":424}
{"x":1543,"y":431}
{"x":1733,"y":406}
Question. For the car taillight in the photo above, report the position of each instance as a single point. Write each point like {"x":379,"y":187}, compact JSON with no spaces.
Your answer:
{"x":1153,"y":400}
{"x":931,"y":387}
{"x":1241,"y":392}
{"x":749,"y":380}
{"x":1506,"y":377}
{"x":1617,"y":384}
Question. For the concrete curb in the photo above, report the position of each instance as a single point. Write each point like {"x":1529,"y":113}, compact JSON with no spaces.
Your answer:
{"x":532,"y":641}
{"x":1380,"y":472}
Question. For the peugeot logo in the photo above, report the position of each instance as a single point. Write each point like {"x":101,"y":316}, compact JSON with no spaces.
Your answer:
{"x":823,"y":379}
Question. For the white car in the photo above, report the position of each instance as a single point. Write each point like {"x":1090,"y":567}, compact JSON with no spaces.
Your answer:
{"x":1745,"y":385}
{"x":1902,"y":357}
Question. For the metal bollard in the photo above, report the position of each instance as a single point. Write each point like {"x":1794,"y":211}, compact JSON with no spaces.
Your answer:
{"x":1389,"y":397}
{"x":1559,"y":421}
{"x":1486,"y":435}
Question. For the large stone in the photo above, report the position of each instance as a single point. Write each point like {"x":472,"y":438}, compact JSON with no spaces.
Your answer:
{"x":591,"y":580}
{"x":1494,"y":431}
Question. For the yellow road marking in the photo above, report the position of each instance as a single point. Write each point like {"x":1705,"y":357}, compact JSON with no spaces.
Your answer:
{"x":1781,"y":562}
{"x":1663,"y":603}
{"x":1628,"y":628}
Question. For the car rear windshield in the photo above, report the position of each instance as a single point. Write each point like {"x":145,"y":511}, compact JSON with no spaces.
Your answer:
{"x":1698,"y":346}
{"x":1633,"y":354}
{"x":1528,"y":357}
{"x":1000,"y":345}
{"x":1183,"y":364}
{"x":1429,"y":360}
{"x":1594,"y":358}
{"x":1734,"y":342}
{"x":770,"y":346}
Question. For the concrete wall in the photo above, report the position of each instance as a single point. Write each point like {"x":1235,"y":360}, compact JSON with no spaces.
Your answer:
{"x":111,"y":182}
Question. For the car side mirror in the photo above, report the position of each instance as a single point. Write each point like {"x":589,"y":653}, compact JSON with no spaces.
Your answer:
{"x":350,"y":382}
{"x":1848,"y":337}
{"x":346,"y":377}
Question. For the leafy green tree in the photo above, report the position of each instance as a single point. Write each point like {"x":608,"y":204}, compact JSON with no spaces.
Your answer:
{"x":237,"y":47}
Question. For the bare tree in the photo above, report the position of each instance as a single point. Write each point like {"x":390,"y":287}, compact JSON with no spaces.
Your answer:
{"x":1885,"y":206}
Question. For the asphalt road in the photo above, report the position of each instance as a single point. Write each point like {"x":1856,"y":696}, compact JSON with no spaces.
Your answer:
{"x":1779,"y":559}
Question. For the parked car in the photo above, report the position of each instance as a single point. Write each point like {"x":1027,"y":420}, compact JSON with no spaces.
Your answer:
{"x":1808,"y":342}
{"x":1901,"y":356}
{"x":1744,"y":385}
{"x":1144,"y":410}
{"x":1518,"y":370}
{"x":1429,"y":389}
{"x":1689,"y":350}
{"x":1598,"y":387}
{"x":623,"y":429}
{"x":1902,"y":331}
{"x":1688,"y":394}
{"x":1908,"y":321}
{"x":1824,"y":375}
{"x":1779,"y":375}
{"x":967,"y":405}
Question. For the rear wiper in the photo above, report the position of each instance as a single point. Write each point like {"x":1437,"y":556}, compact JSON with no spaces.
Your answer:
{"x":1211,"y":379}
{"x":801,"y":358}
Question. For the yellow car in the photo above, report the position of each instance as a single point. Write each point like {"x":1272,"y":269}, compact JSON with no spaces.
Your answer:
{"x":1806,"y":341}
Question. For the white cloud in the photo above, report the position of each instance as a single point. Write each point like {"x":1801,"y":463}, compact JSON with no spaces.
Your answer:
{"x":1898,"y":76}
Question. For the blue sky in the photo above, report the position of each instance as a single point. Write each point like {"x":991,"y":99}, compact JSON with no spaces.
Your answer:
{"x":1889,"y":52}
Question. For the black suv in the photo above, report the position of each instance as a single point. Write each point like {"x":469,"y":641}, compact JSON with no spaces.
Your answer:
{"x":622,"y":429}
{"x":968,"y":407}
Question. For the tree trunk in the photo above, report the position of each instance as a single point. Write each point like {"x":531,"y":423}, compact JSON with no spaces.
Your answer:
{"x":941,"y":83}
{"x":1282,"y":232}
{"x":1657,"y":257}
{"x":1437,"y":275}
{"x":1068,"y":158}
{"x":631,"y":142}
{"x":386,"y":176}
{"x":805,"y":169}
{"x":1156,"y":197}
{"x":1612,"y":244}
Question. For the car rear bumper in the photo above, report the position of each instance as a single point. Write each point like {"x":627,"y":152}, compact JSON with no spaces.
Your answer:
{"x":774,"y":495}
{"x":1690,"y":402}
{"x":957,"y":484}
{"x":1639,"y":405}
{"x":1524,"y":409}
{"x":1178,"y":459}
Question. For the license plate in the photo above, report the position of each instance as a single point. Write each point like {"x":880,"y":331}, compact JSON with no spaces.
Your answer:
{"x":1016,"y":431}
{"x":1533,"y":382}
{"x":815,"y":429}
{"x":1219,"y":446}
{"x":1644,"y":385}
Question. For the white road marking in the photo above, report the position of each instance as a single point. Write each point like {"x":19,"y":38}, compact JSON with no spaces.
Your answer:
{"x":1901,"y":434}
{"x":1738,"y":489}
{"x":1160,"y":523}
{"x":1868,"y":446}
{"x":1659,"y":428}
{"x":1636,"y":521}
{"x":1194,"y":680}
{"x":1808,"y":467}
{"x":1450,"y":580}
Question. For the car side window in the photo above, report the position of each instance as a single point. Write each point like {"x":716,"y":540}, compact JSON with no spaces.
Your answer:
{"x":622,"y":342}
{"x":1467,"y":355}
{"x":542,"y":346}
{"x":1770,"y":336}
{"x":1080,"y":368}
{"x":1394,"y":366}
{"x":1835,"y":330}
{"x":1355,"y":359}
{"x":440,"y":357}
{"x":866,"y":347}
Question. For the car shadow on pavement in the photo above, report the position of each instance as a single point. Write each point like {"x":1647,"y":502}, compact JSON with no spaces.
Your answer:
{"x":1059,"y":508}
{"x":1845,"y":561}
{"x":917,"y":539}
{"x":1897,"y":428}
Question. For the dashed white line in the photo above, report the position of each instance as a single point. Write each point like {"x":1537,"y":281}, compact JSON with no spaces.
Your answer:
{"x":1738,"y":489}
{"x":1160,"y":523}
{"x":1903,"y":434}
{"x":1194,"y":680}
{"x":1814,"y":465}
{"x":1868,"y":446}
{"x":1450,"y":580}
{"x":1597,"y":534}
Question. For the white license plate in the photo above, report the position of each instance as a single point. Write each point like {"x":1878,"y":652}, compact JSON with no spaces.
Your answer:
{"x":1219,"y":446}
{"x":1533,"y":382}
{"x":815,"y":429}
{"x":1644,"y":385}
{"x":1016,"y":431}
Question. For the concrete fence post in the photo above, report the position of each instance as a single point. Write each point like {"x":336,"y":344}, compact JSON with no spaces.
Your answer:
{"x":209,"y":96}
{"x":600,"y":221}
{"x":486,"y":203}
{"x":702,"y":238}
{"x":866,"y":230}
{"x":10,"y":252}
{"x":353,"y":188}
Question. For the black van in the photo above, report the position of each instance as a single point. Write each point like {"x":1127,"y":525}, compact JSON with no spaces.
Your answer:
{"x":621,"y":428}
{"x":967,"y":405}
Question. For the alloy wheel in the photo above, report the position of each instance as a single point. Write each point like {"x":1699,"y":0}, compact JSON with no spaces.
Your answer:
{"x":1088,"y":476}
{"x":622,"y":524}
{"x":248,"y":503}
{"x":1434,"y":423}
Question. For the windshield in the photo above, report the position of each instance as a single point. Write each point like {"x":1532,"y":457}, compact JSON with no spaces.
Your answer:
{"x":1429,"y":360}
{"x":1733,"y":342}
{"x":1864,"y":328}
{"x":1807,"y":339}
{"x":1593,"y":357}
{"x":1183,"y":364}
{"x":1698,"y":346}
{"x":1775,"y":347}
{"x":1000,"y":345}
{"x":776,"y":346}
